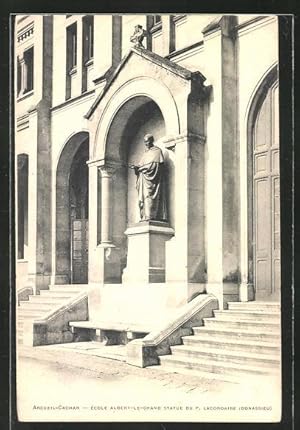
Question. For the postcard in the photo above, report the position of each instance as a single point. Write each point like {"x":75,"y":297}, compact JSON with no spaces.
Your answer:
{"x":147,"y":200}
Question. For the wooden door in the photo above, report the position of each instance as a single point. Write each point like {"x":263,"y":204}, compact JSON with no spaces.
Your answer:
{"x":266,"y":199}
{"x":79,"y":251}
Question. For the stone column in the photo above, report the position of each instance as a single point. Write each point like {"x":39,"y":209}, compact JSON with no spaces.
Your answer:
{"x":109,"y":253}
{"x":105,"y":263}
{"x":106,"y":204}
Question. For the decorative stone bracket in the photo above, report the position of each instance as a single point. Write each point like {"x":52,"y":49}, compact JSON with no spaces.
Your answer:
{"x":170,"y":142}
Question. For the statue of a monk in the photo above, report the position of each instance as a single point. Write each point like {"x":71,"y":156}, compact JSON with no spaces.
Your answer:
{"x":150,"y":183}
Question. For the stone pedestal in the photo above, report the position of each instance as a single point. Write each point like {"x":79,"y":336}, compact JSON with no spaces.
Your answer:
{"x":108,"y":271}
{"x":109,"y":264}
{"x":146,"y":252}
{"x":246,"y":292}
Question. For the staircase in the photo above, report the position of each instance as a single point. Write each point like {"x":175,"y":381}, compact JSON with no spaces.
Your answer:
{"x":39,"y":306}
{"x":243,"y":340}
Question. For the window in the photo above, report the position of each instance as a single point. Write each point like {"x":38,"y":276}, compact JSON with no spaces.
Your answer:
{"x":156,"y":19}
{"x":154,"y":23}
{"x":154,"y":33}
{"x":28,"y":70}
{"x":87,"y":50}
{"x":25,"y":72}
{"x":71,"y":47}
{"x":71,"y":63}
{"x":178,"y":17}
{"x":19,"y":76}
{"x":88,"y":38}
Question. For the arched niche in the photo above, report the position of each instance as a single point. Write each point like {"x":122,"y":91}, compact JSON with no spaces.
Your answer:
{"x":71,"y":204}
{"x":133,"y":92}
{"x":124,"y":146}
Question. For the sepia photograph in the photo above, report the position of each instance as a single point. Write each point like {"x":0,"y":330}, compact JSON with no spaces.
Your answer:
{"x":147,"y":217}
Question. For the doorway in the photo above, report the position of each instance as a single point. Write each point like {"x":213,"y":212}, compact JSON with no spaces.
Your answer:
{"x":266,"y":197}
{"x":71,"y":241}
{"x":79,"y":216}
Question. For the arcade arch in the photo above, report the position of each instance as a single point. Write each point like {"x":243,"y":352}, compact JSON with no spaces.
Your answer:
{"x":72,"y":211}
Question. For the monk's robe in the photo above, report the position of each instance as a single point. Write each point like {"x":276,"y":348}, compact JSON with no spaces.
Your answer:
{"x":150,"y":185}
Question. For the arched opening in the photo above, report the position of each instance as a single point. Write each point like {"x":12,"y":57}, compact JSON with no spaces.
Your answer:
{"x":264,"y":190}
{"x":22,"y":196}
{"x":134,"y":93}
{"x":146,"y":119}
{"x":124,"y":146}
{"x":72,"y":211}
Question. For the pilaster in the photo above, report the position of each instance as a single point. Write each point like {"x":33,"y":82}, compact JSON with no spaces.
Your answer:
{"x":104,"y":256}
{"x":168,"y":34}
{"x":40,"y":173}
{"x":222,"y":188}
{"x":185,"y":252}
{"x":106,"y":173}
{"x":110,"y":46}
{"x":94,"y":222}
{"x":116,"y":39}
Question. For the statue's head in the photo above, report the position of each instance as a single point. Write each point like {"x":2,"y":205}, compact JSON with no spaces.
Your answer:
{"x":148,"y":140}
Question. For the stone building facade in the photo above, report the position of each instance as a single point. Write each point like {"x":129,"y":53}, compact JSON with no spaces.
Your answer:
{"x":206,"y":88}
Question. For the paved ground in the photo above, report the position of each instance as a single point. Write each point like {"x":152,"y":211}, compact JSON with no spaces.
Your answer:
{"x":61,"y":383}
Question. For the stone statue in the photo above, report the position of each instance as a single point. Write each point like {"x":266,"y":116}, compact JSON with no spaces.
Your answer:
{"x":150,"y":182}
{"x":138,"y":36}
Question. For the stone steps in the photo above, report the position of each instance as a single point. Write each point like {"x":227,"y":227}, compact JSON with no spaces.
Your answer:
{"x":217,"y":354}
{"x":246,"y":324}
{"x":57,"y":293}
{"x":257,"y":306}
{"x":51,"y":298}
{"x":30,"y":313}
{"x":237,"y":334}
{"x":37,"y":307}
{"x":245,"y":339}
{"x":232,"y":344}
{"x":247,"y":315}
{"x":59,"y":296}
